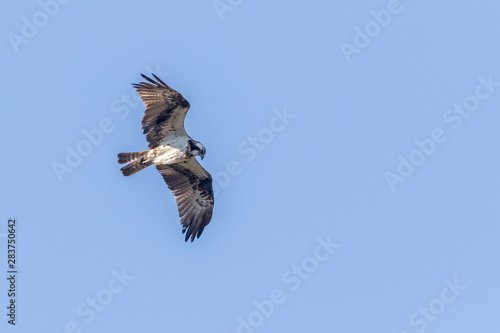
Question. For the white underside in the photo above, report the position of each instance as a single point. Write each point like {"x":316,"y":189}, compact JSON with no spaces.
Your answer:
{"x":170,"y":156}
{"x":173,"y":151}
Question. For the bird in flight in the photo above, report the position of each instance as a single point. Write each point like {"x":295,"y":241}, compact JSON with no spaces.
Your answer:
{"x":173,"y":153}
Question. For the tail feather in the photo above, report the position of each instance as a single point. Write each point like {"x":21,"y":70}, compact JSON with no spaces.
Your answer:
{"x":134,"y":167}
{"x":137,"y":162}
{"x":124,"y":158}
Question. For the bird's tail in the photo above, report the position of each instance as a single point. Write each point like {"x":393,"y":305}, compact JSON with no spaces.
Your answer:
{"x":137,"y":162}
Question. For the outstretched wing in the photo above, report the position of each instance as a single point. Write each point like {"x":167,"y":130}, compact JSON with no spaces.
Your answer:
{"x":192,"y":187}
{"x":165,"y":109}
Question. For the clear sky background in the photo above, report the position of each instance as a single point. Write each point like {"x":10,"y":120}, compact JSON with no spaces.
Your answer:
{"x":355,"y":156}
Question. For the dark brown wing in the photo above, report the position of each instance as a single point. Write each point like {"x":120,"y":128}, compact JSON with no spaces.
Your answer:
{"x":165,"y":109}
{"x":192,"y":187}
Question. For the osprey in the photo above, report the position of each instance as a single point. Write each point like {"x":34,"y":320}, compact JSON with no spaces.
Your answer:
{"x":173,"y":153}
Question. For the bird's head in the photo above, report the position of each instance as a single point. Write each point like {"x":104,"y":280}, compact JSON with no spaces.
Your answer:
{"x":197,"y":149}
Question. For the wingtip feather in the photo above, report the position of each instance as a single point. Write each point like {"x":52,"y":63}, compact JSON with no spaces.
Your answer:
{"x":159,"y":80}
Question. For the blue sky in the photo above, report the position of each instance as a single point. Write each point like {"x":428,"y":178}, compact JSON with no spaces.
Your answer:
{"x":352,"y":144}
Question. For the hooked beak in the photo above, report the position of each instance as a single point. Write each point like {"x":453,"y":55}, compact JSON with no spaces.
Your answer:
{"x":202,"y":156}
